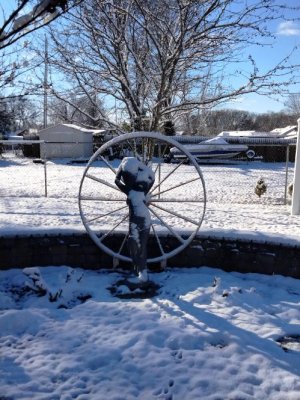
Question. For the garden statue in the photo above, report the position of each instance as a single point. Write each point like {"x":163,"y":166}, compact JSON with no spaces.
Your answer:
{"x":135,"y":179}
{"x":260,"y":187}
{"x":154,"y":200}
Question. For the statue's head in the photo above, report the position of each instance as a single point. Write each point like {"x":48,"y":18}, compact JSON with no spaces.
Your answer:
{"x":136,"y":173}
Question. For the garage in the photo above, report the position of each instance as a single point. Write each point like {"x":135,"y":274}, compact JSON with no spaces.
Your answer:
{"x":66,"y":141}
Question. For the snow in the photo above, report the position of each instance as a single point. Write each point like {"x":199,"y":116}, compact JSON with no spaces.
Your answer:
{"x":80,"y":128}
{"x":288,"y":132}
{"x":233,"y":209}
{"x":207,"y":334}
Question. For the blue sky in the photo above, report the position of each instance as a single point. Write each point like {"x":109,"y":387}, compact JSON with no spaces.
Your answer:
{"x":287,"y":37}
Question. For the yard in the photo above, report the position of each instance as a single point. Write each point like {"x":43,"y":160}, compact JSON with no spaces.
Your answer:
{"x":233,"y":208}
{"x":207,"y":335}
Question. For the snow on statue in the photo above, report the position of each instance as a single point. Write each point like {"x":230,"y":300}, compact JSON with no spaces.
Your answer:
{"x":135,"y":179}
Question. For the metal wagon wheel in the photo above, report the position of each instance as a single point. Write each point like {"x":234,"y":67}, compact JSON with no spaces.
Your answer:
{"x":177,"y":199}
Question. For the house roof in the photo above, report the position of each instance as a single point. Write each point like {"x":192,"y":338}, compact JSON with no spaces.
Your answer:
{"x":288,"y":132}
{"x":82,"y":129}
{"x":75,"y":127}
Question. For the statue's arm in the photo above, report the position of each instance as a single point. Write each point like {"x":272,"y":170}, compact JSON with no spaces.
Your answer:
{"x":119,"y":183}
{"x":151,"y":184}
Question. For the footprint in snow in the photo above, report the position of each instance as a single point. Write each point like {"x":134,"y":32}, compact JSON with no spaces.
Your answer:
{"x":177,"y":354}
{"x":165,"y":392}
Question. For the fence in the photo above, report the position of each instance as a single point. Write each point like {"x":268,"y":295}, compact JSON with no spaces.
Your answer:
{"x":61,"y":178}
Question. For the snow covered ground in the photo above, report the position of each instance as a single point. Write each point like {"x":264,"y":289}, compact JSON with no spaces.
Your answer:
{"x":233,"y":209}
{"x":207,"y":334}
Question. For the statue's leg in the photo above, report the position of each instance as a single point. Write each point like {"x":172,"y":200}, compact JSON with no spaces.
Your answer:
{"x":134,"y":245}
{"x":134,"y":252}
{"x":142,"y":257}
{"x":137,"y":243}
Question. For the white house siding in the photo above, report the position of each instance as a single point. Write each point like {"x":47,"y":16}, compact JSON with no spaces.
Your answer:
{"x":66,"y":141}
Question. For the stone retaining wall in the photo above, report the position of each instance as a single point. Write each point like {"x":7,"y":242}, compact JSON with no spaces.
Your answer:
{"x":78,"y":250}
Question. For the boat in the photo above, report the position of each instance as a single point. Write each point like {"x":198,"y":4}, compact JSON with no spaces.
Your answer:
{"x":215,"y":148}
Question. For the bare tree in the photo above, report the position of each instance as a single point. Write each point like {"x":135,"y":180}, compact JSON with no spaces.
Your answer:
{"x":16,"y":71}
{"x":293,"y":104}
{"x":84,"y":112}
{"x":213,"y":122}
{"x":17,"y":113}
{"x":161,"y":59}
{"x":16,"y":21}
{"x":20,"y":22}
{"x":5,"y":118}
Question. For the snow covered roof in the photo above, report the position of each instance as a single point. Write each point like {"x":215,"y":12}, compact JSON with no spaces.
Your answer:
{"x":289,"y":132}
{"x":247,"y":134}
{"x":236,"y":133}
{"x":75,"y":127}
{"x":82,"y":129}
{"x":79,"y":128}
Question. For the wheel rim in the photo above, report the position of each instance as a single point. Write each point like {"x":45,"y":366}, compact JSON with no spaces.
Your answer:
{"x":177,"y":200}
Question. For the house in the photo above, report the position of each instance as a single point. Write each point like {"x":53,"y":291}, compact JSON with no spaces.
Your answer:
{"x":289,"y":132}
{"x":66,"y":141}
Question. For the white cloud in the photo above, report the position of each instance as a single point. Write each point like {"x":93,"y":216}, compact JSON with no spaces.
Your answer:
{"x":288,"y":28}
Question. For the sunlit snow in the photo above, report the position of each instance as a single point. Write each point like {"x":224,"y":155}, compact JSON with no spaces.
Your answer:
{"x":207,"y":334}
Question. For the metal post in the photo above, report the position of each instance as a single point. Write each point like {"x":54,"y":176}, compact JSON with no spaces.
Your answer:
{"x":286,"y":172}
{"x":44,"y":157}
{"x":45,"y":177}
{"x":296,"y":187}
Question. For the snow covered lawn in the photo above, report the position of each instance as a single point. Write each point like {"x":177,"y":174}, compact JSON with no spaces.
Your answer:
{"x":233,"y":209}
{"x":207,"y":335}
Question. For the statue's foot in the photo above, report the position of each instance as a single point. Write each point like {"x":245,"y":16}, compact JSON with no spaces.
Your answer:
{"x":140,"y":278}
{"x":143,"y":276}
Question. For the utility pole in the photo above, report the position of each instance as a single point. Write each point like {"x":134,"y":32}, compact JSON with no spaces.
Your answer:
{"x":46,"y":84}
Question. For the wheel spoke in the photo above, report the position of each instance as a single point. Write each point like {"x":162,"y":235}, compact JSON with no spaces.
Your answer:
{"x":90,"y":198}
{"x":108,"y":164}
{"x":174,"y":233}
{"x":176,"y":186}
{"x":158,"y":241}
{"x":112,"y":230}
{"x":177,"y":215}
{"x":95,"y":178}
{"x":123,"y":243}
{"x":152,"y":201}
{"x":105,"y":215}
{"x":166,"y":177}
